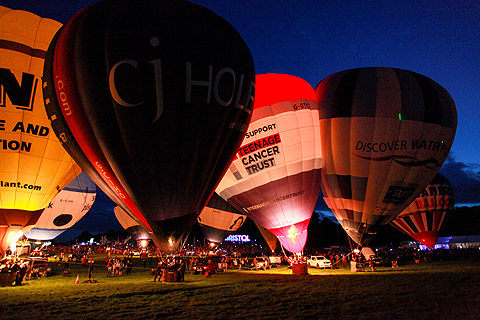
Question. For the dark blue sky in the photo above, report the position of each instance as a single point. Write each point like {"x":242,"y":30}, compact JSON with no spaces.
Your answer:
{"x":313,"y":39}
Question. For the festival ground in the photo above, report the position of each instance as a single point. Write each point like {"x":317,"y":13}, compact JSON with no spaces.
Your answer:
{"x":429,"y":290}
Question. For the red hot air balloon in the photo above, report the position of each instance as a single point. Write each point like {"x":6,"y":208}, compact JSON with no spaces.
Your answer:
{"x":385,"y":134}
{"x":153,"y":98}
{"x":424,"y":217}
{"x":275,"y":177}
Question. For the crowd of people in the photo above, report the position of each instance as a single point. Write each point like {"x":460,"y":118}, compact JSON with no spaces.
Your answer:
{"x":118,"y":260}
{"x":118,"y":266}
{"x":15,"y":270}
{"x":177,"y":266}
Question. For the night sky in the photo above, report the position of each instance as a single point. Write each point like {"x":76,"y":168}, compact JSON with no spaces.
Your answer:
{"x":313,"y":39}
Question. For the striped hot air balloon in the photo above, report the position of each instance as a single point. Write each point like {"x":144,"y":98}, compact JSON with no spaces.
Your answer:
{"x":425,"y":216}
{"x":385,"y":134}
{"x":275,"y":177}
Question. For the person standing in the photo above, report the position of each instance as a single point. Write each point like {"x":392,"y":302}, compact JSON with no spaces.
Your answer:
{"x":182,"y":269}
{"x":91,"y":266}
{"x":158,"y":271}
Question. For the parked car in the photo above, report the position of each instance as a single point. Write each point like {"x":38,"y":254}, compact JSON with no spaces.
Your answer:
{"x":275,"y":261}
{"x":262,"y":263}
{"x":136,"y":253}
{"x":319,"y":262}
{"x":204,"y":265}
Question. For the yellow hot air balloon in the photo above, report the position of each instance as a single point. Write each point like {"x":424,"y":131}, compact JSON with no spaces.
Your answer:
{"x":269,"y":237}
{"x":34,"y":167}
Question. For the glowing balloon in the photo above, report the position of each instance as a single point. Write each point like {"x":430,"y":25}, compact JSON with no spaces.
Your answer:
{"x":34,"y":166}
{"x":131,"y":225}
{"x":385,"y":134}
{"x":153,"y":98}
{"x":219,"y":219}
{"x":275,"y":176}
{"x":269,"y":237}
{"x":425,"y":216}
{"x":66,"y":209}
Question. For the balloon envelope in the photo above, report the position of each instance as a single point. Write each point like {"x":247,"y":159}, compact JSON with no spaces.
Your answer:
{"x":275,"y":176}
{"x":34,"y":164}
{"x":66,"y":209}
{"x":155,"y":96}
{"x":385,"y":134}
{"x":219,"y":219}
{"x":130,"y":225}
{"x":425,"y":216}
{"x":269,"y":237}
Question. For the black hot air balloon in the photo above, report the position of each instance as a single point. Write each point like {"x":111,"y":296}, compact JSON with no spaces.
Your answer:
{"x":155,"y":97}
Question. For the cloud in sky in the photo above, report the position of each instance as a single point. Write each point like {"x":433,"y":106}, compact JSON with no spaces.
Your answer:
{"x":465,"y":179}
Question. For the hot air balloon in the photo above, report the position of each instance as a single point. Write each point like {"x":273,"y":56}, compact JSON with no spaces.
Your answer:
{"x":131,"y":225}
{"x":153,"y":98}
{"x":424,"y":217}
{"x":385,"y":134}
{"x":66,"y":209}
{"x":275,"y":177}
{"x":34,"y":165}
{"x":219,"y":219}
{"x":269,"y":237}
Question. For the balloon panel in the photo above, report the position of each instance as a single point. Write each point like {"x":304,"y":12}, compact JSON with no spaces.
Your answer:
{"x":274,"y":177}
{"x":130,"y":224}
{"x":293,"y":237}
{"x":385,"y":134}
{"x":66,"y":209}
{"x":163,"y":122}
{"x":218,"y":219}
{"x":425,"y":216}
{"x":54,"y":113}
{"x":269,"y":237}
{"x":34,"y":165}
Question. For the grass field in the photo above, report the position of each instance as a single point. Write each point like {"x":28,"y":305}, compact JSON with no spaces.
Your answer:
{"x":433,"y":290}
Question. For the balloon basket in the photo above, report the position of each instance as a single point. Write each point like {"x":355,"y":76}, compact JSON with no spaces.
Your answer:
{"x":170,"y":276}
{"x":299,"y":268}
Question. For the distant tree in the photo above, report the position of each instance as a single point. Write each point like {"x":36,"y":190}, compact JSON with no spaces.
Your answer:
{"x":85,"y":236}
{"x":462,"y":221}
{"x":324,"y":233}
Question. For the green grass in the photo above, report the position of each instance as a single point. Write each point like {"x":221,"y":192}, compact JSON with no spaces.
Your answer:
{"x":434,"y":290}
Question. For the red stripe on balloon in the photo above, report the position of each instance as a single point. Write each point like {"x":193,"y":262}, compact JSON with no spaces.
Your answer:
{"x":71,"y":106}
